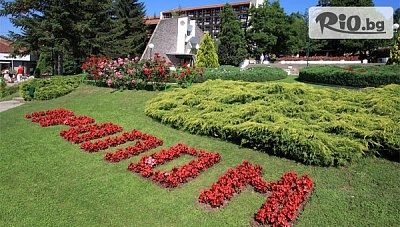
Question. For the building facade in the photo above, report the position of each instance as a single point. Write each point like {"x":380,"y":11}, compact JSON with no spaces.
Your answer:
{"x":174,"y":39}
{"x":207,"y":17}
{"x":28,"y":62}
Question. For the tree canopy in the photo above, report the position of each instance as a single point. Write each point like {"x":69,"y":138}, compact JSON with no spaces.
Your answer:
{"x":233,"y":47}
{"x":77,"y":28}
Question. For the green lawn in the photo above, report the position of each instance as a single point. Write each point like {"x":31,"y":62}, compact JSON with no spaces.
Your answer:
{"x":47,"y":181}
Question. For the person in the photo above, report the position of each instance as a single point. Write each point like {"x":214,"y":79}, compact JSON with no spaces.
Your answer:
{"x":7,"y":76}
{"x":20,"y":73}
{"x":262,"y":58}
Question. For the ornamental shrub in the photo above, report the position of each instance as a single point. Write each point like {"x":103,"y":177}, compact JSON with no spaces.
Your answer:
{"x":206,"y":55}
{"x":45,"y":89}
{"x":354,"y":75}
{"x":323,"y":127}
{"x":254,"y":74}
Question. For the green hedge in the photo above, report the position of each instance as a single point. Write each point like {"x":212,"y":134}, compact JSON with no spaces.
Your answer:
{"x":6,"y":90}
{"x":315,"y":126}
{"x":355,"y":75}
{"x":254,"y":74}
{"x":45,"y":89}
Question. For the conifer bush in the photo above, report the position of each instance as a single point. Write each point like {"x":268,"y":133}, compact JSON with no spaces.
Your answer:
{"x":206,"y":56}
{"x":323,"y":127}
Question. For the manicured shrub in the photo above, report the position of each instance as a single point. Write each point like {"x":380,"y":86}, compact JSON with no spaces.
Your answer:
{"x":356,"y":76}
{"x":254,"y":74}
{"x":206,"y":55}
{"x":45,"y":89}
{"x":6,"y":90}
{"x":314,"y":126}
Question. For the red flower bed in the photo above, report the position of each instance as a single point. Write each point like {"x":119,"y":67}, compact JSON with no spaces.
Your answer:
{"x":288,"y":195}
{"x":58,"y":117}
{"x":93,"y":132}
{"x":178,"y":175}
{"x":233,"y":181}
{"x":145,"y":143}
{"x":109,"y":142}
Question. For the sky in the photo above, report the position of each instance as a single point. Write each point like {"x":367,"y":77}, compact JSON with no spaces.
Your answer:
{"x":156,"y":6}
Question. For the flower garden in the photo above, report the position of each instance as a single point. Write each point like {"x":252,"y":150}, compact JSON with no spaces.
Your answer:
{"x":284,"y":199}
{"x":219,"y":182}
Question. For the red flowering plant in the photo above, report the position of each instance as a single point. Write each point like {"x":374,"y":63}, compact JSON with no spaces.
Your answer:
{"x":289,"y":194}
{"x":82,"y":133}
{"x":90,"y":66}
{"x":233,"y":182}
{"x":157,"y":71}
{"x":108,"y":142}
{"x":58,"y":117}
{"x":178,"y":175}
{"x":145,"y":142}
{"x":185,"y":75}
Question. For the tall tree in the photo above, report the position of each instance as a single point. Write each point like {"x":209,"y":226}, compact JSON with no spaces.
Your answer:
{"x":297,"y":34}
{"x":57,"y":27}
{"x":206,"y":55}
{"x":232,"y":49}
{"x":128,"y":33}
{"x":270,"y":30}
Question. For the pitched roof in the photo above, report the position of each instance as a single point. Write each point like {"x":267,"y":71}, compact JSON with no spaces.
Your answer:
{"x":5,"y":46}
{"x":152,"y":20}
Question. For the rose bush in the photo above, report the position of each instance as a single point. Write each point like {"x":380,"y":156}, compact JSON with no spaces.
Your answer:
{"x":133,"y":73}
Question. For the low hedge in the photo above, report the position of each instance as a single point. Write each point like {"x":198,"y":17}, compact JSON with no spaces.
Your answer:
{"x":323,"y":127}
{"x":253,"y":74}
{"x":355,"y":75}
{"x":6,"y":90}
{"x":45,"y":89}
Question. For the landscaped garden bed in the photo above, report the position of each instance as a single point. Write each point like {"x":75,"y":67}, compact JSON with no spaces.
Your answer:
{"x":284,"y":198}
{"x":52,"y":177}
{"x":313,"y":126}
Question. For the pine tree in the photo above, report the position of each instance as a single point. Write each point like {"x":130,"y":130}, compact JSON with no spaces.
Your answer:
{"x":127,"y":36}
{"x":232,"y":49}
{"x":206,"y":55}
{"x":65,"y":27}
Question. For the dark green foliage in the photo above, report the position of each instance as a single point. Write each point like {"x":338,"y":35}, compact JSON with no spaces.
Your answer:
{"x":356,"y":76}
{"x":255,"y":74}
{"x":314,"y":126}
{"x":128,"y":31}
{"x":45,"y":89}
{"x":36,"y":73}
{"x":232,"y":48}
{"x":44,"y":64}
{"x":74,"y":29}
{"x":271,"y":31}
{"x":206,"y":55}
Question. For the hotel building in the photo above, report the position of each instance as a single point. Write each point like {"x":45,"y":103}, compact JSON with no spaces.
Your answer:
{"x":207,"y":17}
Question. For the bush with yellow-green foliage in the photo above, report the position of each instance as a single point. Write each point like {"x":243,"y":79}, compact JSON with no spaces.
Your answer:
{"x":323,"y":127}
{"x":45,"y":89}
{"x":206,"y":55}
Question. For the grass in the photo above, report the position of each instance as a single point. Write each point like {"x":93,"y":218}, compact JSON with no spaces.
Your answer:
{"x":47,"y":181}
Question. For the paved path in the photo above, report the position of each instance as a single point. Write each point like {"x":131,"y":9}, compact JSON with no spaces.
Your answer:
{"x":6,"y":105}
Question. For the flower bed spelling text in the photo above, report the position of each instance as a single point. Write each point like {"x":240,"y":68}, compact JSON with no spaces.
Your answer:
{"x":284,"y":198}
